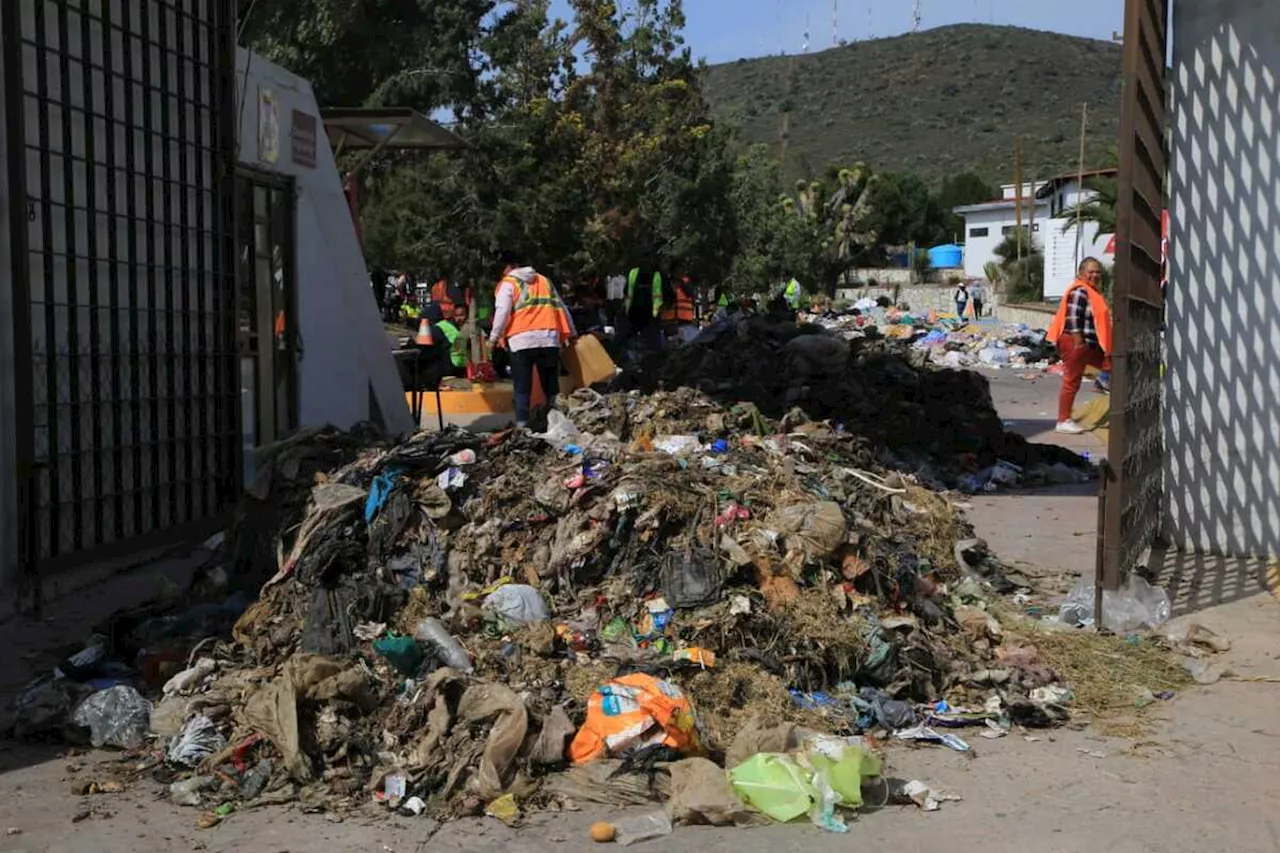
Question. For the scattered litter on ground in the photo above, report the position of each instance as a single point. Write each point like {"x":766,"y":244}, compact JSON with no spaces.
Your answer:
{"x":719,"y":597}
{"x":925,"y":797}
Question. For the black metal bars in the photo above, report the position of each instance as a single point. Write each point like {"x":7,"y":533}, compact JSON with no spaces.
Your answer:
{"x":121,"y":141}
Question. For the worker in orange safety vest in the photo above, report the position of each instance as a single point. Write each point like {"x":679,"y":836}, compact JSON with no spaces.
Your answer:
{"x":679,"y":316}
{"x":532,"y":323}
{"x":1082,"y":331}
{"x":446,"y":296}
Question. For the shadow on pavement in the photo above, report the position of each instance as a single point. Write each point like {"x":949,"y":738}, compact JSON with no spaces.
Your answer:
{"x":1196,"y":582}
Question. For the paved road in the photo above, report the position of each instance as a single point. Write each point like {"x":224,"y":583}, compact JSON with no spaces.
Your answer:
{"x":1206,"y":779}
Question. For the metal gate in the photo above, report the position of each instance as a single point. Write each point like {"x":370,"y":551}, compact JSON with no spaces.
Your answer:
{"x":1133,"y":491}
{"x":122,"y":144}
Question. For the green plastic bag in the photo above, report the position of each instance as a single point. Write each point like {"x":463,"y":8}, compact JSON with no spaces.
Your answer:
{"x":775,"y":785}
{"x":845,"y":764}
{"x":826,"y":773}
{"x":404,"y":653}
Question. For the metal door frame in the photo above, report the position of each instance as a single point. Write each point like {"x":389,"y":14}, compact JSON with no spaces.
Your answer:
{"x":124,"y":402}
{"x":1132,"y":497}
{"x":247,"y":178}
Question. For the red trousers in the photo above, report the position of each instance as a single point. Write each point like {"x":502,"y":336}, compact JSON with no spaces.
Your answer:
{"x":1076,"y":356}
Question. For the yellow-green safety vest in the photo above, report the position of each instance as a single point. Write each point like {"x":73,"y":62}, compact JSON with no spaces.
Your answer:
{"x":457,"y":355}
{"x":792,"y":294}
{"x":656,"y":292}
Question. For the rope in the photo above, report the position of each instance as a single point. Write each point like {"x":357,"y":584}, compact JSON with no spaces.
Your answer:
{"x":874,"y":480}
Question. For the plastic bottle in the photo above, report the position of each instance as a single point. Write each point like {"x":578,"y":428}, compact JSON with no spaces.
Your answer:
{"x":432,"y":633}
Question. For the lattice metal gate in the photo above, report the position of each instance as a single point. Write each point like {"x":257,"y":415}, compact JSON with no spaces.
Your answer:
{"x":122,"y":146}
{"x":1133,"y":492}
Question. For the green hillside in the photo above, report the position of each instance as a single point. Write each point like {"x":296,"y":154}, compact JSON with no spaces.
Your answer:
{"x":935,"y":103}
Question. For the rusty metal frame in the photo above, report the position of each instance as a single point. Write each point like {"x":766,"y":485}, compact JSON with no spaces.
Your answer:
{"x":1132,"y":502}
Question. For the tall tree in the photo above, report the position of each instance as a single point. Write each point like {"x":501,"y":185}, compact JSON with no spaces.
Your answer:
{"x":1099,"y":207}
{"x":415,"y":53}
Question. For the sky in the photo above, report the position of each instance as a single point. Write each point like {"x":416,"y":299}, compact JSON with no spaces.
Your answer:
{"x":725,"y":30}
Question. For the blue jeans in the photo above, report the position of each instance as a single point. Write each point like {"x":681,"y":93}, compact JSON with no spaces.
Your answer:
{"x":960,"y":306}
{"x":546,"y":360}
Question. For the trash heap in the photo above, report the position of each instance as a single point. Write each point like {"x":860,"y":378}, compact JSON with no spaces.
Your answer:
{"x":659,"y":598}
{"x":947,"y":342}
{"x":939,"y":425}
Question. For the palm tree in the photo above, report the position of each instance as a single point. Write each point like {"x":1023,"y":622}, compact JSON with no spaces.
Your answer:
{"x":1100,"y":209}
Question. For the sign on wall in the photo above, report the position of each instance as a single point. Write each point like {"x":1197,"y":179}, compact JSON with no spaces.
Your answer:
{"x":304,"y":139}
{"x":268,"y":127}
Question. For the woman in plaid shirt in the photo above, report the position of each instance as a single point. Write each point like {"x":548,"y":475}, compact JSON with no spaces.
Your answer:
{"x":1082,"y":331}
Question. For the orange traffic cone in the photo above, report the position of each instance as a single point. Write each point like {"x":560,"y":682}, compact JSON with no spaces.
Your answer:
{"x":537,"y":397}
{"x":424,"y":333}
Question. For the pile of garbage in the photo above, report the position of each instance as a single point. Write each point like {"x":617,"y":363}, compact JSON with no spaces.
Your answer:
{"x":939,"y":425}
{"x":946,"y":341}
{"x":658,"y":598}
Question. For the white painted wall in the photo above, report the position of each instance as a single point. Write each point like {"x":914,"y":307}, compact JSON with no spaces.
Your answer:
{"x":1222,"y":397}
{"x":978,"y":251}
{"x":345,"y":351}
{"x":1060,"y":253}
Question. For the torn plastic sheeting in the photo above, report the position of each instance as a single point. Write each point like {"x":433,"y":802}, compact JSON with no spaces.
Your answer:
{"x":632,"y":829}
{"x":511,"y":722}
{"x":927,"y":735}
{"x":813,"y":531}
{"x":633,"y":712}
{"x":198,"y":740}
{"x":548,"y":748}
{"x":273,"y":710}
{"x":561,"y":432}
{"x":602,"y":782}
{"x":757,"y":736}
{"x":1136,"y":605}
{"x":117,"y":716}
{"x":701,"y":795}
{"x":327,"y":501}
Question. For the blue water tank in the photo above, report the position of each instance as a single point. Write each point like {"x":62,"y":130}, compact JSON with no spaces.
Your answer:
{"x":949,"y":256}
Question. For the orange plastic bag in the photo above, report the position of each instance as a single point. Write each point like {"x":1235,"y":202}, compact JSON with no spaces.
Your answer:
{"x":632,"y":712}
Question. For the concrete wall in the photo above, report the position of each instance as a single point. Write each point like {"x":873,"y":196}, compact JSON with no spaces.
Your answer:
{"x":1222,"y":398}
{"x":8,"y":474}
{"x":345,"y":350}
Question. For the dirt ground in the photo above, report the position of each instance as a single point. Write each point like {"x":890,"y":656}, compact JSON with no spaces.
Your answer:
{"x":1205,"y":778}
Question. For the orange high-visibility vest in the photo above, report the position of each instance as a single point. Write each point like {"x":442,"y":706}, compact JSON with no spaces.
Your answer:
{"x":537,"y":308}
{"x":440,"y":295}
{"x":1101,"y":316}
{"x":683,"y":311}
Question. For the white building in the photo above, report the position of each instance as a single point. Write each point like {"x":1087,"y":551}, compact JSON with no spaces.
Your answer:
{"x":1063,"y":252}
{"x":987,"y":224}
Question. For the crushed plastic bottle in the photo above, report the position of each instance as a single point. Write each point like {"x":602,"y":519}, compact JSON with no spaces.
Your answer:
{"x":432,"y":633}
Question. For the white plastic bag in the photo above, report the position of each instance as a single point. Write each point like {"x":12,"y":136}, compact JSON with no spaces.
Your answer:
{"x":517,"y":604}
{"x":117,"y":716}
{"x":1134,"y":606}
{"x":561,"y":432}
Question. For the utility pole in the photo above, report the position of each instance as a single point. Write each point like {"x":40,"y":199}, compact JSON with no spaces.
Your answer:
{"x":1017,"y":194}
{"x":1031,"y":217}
{"x":1084,"y":126}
